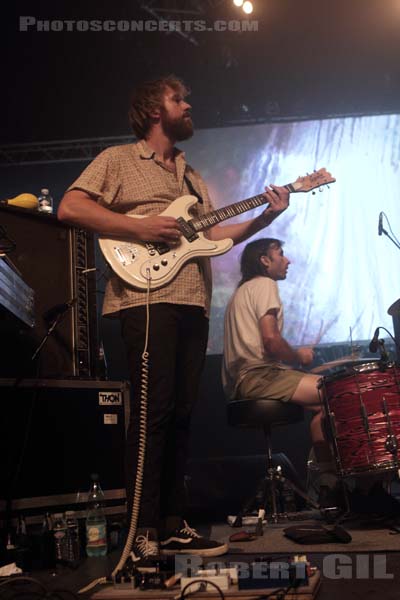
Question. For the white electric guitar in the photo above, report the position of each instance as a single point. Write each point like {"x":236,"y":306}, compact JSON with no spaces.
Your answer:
{"x":155,"y":264}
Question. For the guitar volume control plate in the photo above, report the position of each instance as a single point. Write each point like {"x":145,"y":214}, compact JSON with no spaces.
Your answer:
{"x":126,"y":253}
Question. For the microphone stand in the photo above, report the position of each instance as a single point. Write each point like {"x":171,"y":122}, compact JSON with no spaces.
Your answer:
{"x":50,"y":330}
{"x":384,"y":360}
{"x":382,"y":343}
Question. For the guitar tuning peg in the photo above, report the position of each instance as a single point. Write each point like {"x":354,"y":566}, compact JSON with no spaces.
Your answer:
{"x":320,"y":189}
{"x":313,"y":193}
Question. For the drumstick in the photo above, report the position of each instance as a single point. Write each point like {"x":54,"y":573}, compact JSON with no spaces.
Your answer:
{"x":330,"y":364}
{"x":323,"y":328}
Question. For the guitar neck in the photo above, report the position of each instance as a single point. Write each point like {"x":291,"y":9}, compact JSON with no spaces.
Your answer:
{"x":227,"y":212}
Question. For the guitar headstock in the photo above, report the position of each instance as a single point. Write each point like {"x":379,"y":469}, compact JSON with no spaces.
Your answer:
{"x":312,"y":181}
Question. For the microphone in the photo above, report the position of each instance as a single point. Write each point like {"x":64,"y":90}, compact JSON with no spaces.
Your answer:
{"x":374,"y":343}
{"x":380,"y":226}
{"x":58,"y":309}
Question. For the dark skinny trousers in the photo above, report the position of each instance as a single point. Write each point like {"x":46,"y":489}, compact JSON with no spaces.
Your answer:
{"x":177,"y":346}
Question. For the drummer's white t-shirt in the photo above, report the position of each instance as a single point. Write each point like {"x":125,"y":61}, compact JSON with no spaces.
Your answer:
{"x":243,"y":345}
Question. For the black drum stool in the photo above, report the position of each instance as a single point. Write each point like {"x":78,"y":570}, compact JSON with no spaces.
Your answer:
{"x":266,"y":414}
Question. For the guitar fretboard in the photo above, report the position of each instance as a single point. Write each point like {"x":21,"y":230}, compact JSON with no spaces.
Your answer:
{"x":227,"y":212}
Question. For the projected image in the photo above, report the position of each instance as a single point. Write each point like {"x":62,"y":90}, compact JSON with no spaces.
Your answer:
{"x":343,"y":276}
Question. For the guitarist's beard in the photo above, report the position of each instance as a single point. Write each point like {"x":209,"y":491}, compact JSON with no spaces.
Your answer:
{"x":177,"y":129}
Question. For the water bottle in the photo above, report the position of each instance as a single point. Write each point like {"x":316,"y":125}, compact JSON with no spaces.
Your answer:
{"x":96,"y":524}
{"x":115,"y":534}
{"x":24,"y":544}
{"x":45,"y":201}
{"x":21,"y":537}
{"x":60,"y":538}
{"x":47,"y":550}
{"x":73,"y":550}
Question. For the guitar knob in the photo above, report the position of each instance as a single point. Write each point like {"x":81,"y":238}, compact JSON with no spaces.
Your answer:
{"x":156,"y":267}
{"x":164,"y":262}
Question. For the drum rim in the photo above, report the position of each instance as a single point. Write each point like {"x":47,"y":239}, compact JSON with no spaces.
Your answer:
{"x":365,"y":367}
{"x":371,"y":469}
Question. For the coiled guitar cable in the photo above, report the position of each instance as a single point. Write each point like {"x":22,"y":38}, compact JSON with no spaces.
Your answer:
{"x":144,"y":384}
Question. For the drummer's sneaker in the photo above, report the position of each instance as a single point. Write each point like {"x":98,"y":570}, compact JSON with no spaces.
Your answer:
{"x":186,"y":540}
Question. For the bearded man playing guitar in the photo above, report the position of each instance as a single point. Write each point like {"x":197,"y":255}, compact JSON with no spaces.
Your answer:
{"x":143,"y":179}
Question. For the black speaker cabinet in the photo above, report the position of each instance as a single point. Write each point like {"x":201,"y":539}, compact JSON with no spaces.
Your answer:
{"x":57,"y":262}
{"x":54,"y":434}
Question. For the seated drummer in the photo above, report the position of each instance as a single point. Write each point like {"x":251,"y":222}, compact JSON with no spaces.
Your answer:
{"x":256,"y":356}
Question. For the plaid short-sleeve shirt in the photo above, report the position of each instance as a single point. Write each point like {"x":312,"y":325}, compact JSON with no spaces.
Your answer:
{"x":131,"y":179}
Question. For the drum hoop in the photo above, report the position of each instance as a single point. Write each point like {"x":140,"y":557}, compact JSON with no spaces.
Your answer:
{"x":368,"y":366}
{"x":371,"y":365}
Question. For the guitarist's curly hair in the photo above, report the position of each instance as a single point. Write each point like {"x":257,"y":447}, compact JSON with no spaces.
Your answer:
{"x":147,"y":97}
{"x":250,"y":264}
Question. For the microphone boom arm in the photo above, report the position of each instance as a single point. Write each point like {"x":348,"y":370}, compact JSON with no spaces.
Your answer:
{"x":395,"y":242}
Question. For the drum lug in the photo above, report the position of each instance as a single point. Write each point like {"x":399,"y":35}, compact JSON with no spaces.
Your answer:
{"x":332,"y":421}
{"x":391,"y":444}
{"x":364,"y":416}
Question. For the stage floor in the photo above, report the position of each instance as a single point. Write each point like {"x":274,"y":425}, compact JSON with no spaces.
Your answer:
{"x":368,"y":568}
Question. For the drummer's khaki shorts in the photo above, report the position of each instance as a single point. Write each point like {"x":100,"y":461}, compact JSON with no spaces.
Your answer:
{"x":271,"y":383}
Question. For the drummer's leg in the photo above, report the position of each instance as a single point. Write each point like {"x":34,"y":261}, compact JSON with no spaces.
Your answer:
{"x":306,"y":394}
{"x":325,"y":482}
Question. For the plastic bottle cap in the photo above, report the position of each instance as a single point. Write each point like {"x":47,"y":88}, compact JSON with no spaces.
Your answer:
{"x":44,"y":191}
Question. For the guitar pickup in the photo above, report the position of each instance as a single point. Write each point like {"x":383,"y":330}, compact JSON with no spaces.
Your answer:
{"x":158,"y":247}
{"x":187,"y":230}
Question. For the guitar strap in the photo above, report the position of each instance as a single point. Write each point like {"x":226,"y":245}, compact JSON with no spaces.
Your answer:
{"x":192,"y":190}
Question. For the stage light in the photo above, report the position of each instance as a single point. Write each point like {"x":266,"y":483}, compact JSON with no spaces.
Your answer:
{"x":248,"y":7}
{"x":238,"y":3}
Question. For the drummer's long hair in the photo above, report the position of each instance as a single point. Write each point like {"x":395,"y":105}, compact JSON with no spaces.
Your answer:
{"x":250,"y":264}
